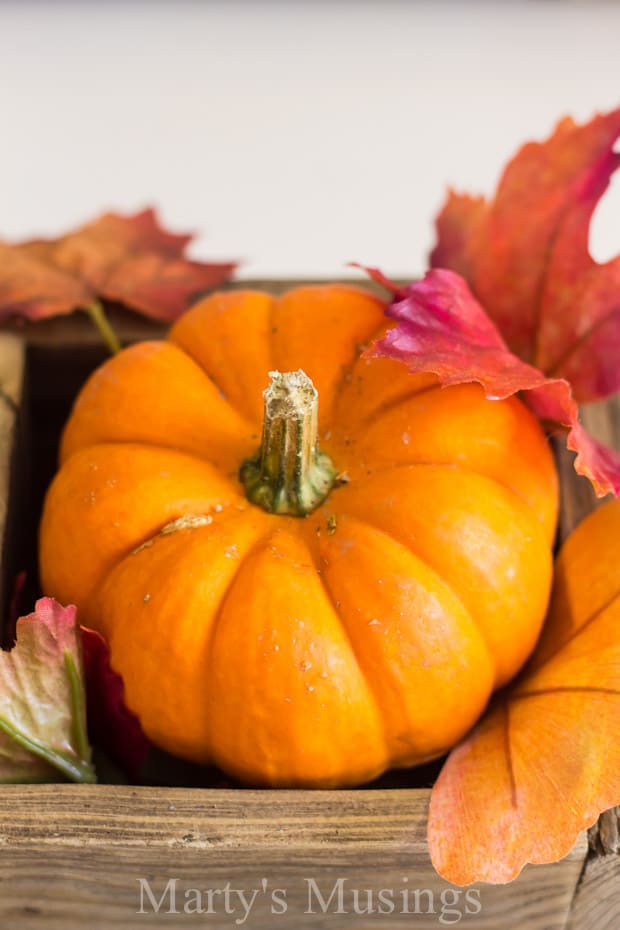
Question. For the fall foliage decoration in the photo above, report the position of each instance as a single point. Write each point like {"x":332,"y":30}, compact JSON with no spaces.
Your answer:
{"x":126,"y":259}
{"x":316,"y":651}
{"x":56,"y":682}
{"x":43,"y":713}
{"x":525,"y":257}
{"x":515,"y":301}
{"x":443,"y":329}
{"x":545,"y":761}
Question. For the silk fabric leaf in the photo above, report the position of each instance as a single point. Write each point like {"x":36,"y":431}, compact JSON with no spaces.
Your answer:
{"x":42,"y":710}
{"x":441,"y":328}
{"x":545,"y":761}
{"x":525,"y":256}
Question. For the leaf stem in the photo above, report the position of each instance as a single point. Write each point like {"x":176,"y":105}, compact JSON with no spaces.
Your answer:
{"x":99,"y":318}
{"x":78,"y":708}
{"x":79,"y":770}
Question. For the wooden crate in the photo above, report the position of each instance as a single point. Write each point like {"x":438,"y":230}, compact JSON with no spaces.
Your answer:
{"x":74,"y":856}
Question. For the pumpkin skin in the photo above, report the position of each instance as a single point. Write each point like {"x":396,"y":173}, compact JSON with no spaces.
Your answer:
{"x":291,"y":651}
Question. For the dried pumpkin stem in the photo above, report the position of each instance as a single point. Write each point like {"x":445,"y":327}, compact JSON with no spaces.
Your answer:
{"x":289,"y":474}
{"x":99,"y":318}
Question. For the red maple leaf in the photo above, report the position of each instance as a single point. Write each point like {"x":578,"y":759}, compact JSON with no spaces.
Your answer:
{"x":524,"y":307}
{"x":525,"y":256}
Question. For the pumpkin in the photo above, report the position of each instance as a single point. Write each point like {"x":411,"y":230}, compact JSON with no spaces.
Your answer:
{"x":315,"y":598}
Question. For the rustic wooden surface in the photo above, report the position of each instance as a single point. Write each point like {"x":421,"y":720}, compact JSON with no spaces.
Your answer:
{"x":577,"y":498}
{"x":11,"y":378}
{"x":72,"y":856}
{"x":12,"y":356}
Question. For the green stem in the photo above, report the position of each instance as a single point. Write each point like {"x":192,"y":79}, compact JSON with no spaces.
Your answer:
{"x":99,"y":318}
{"x":78,"y":708}
{"x":79,"y":770}
{"x":289,"y":474}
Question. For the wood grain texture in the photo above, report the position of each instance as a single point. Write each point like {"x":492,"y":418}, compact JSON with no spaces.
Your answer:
{"x":73,"y":856}
{"x":577,"y":497}
{"x":11,"y":376}
{"x":597,"y":901}
{"x":12,"y":355}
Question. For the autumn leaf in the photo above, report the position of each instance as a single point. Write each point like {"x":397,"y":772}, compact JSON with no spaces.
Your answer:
{"x":540,"y":315}
{"x":525,"y":256}
{"x":19,"y":765}
{"x":128,"y":259}
{"x":42,"y":712}
{"x":545,"y":761}
{"x":443,"y":329}
{"x":111,"y":725}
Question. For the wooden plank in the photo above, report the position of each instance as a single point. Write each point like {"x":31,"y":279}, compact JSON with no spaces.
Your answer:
{"x":73,"y":856}
{"x":11,"y":376}
{"x":577,"y":497}
{"x":597,"y":900}
{"x":11,"y":464}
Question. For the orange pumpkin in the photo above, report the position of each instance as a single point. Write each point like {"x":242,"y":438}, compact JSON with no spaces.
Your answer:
{"x":402,"y":575}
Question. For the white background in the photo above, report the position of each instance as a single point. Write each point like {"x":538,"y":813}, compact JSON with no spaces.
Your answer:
{"x":295,"y":136}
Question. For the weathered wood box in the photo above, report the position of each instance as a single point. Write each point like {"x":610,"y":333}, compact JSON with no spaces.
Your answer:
{"x":108,"y":856}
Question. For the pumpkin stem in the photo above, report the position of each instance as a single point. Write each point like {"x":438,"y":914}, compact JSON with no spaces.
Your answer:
{"x":289,"y":474}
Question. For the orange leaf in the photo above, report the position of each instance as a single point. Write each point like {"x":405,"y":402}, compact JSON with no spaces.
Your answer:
{"x":129,"y":259}
{"x":545,"y":761}
{"x":525,"y":256}
{"x":34,"y":288}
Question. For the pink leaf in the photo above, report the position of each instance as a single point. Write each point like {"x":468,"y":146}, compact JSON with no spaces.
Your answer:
{"x":43,"y":706}
{"x":441,"y":328}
